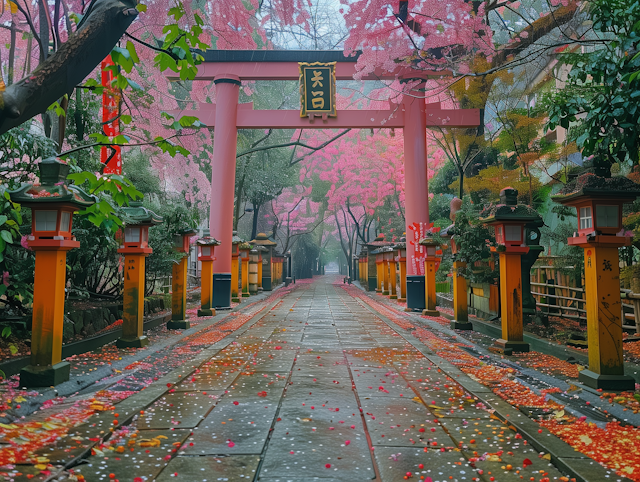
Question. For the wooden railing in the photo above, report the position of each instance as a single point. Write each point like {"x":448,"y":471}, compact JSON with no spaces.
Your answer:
{"x":554,"y":295}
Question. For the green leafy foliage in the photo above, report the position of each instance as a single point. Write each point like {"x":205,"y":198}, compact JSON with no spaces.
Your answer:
{"x":602,"y":90}
{"x":113,"y":191}
{"x":474,"y":240}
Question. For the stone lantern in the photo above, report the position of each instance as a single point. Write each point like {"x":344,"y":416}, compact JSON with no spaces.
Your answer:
{"x":179,"y":280}
{"x":52,"y":204}
{"x":431,"y":263}
{"x":400,"y":251}
{"x":598,"y":202}
{"x":135,"y":249}
{"x":509,"y":219}
{"x":206,"y":246}
{"x":265,"y":268}
{"x":245,"y":248}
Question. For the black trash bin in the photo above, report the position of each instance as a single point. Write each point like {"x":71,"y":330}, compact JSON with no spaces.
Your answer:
{"x":221,"y":290}
{"x":416,"y":293}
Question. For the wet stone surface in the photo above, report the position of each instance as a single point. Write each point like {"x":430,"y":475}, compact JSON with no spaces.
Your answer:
{"x":319,"y":388}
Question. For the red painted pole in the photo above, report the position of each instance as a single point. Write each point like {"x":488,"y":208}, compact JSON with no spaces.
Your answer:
{"x":223,"y":184}
{"x":416,"y":195}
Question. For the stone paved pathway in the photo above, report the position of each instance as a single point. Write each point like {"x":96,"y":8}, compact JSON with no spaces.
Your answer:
{"x":320,"y":388}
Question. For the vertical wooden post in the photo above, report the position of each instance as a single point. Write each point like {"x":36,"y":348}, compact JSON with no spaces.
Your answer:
{"x":403,"y":280}
{"x":460,"y":308}
{"x":511,"y":302}
{"x":46,"y":367}
{"x":206,"y":289}
{"x":179,"y":296}
{"x":604,"y":323}
{"x":393,"y":280}
{"x":235,"y":268}
{"x":245,"y":277}
{"x":385,"y":277}
{"x":133,"y":303}
{"x":430,"y":286}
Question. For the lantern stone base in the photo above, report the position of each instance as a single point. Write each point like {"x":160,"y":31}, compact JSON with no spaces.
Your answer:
{"x":35,"y":376}
{"x":606,"y":382}
{"x":513,"y":346}
{"x":178,"y":325}
{"x":427,"y":312}
{"x":206,"y":312}
{"x":137,"y":342}
{"x":461,"y":325}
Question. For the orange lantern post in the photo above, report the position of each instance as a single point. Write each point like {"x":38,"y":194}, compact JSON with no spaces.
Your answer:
{"x":235,"y":267}
{"x":598,"y":202}
{"x":179,"y":281}
{"x":401,"y":258}
{"x":430,"y":268}
{"x":245,"y":248}
{"x":52,"y":204}
{"x":460,"y":304}
{"x":509,"y":218}
{"x":390,"y":268}
{"x":206,"y":246}
{"x":135,"y":249}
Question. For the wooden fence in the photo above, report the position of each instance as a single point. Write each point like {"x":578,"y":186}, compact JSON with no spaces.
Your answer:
{"x":561,"y":294}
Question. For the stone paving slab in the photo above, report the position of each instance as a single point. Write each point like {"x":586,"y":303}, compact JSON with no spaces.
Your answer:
{"x":210,"y":468}
{"x":145,"y":462}
{"x":402,"y":423}
{"x":395,"y":462}
{"x":178,"y":410}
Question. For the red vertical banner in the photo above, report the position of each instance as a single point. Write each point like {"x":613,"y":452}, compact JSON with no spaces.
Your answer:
{"x":110,"y":156}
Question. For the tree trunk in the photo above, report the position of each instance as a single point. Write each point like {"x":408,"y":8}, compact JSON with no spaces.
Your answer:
{"x":254,"y":228}
{"x":100,"y":29}
{"x":236,"y":218}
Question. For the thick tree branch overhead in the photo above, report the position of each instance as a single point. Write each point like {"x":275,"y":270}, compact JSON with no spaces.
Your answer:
{"x":536,"y":30}
{"x":100,"y":29}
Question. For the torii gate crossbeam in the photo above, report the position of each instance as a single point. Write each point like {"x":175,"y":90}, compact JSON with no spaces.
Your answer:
{"x":413,"y":115}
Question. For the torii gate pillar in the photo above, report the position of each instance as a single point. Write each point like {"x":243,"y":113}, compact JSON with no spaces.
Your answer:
{"x":223,"y":174}
{"x":416,"y":192}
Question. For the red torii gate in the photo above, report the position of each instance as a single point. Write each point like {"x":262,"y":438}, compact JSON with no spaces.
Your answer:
{"x":227,"y":68}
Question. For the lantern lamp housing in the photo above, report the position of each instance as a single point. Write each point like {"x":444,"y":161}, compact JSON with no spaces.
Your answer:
{"x":236,"y":241}
{"x":181,"y":240}
{"x":206,"y":246}
{"x":509,"y":219}
{"x":136,"y":230}
{"x":245,"y":248}
{"x":52,"y":203}
{"x":598,"y":202}
{"x":431,"y":247}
